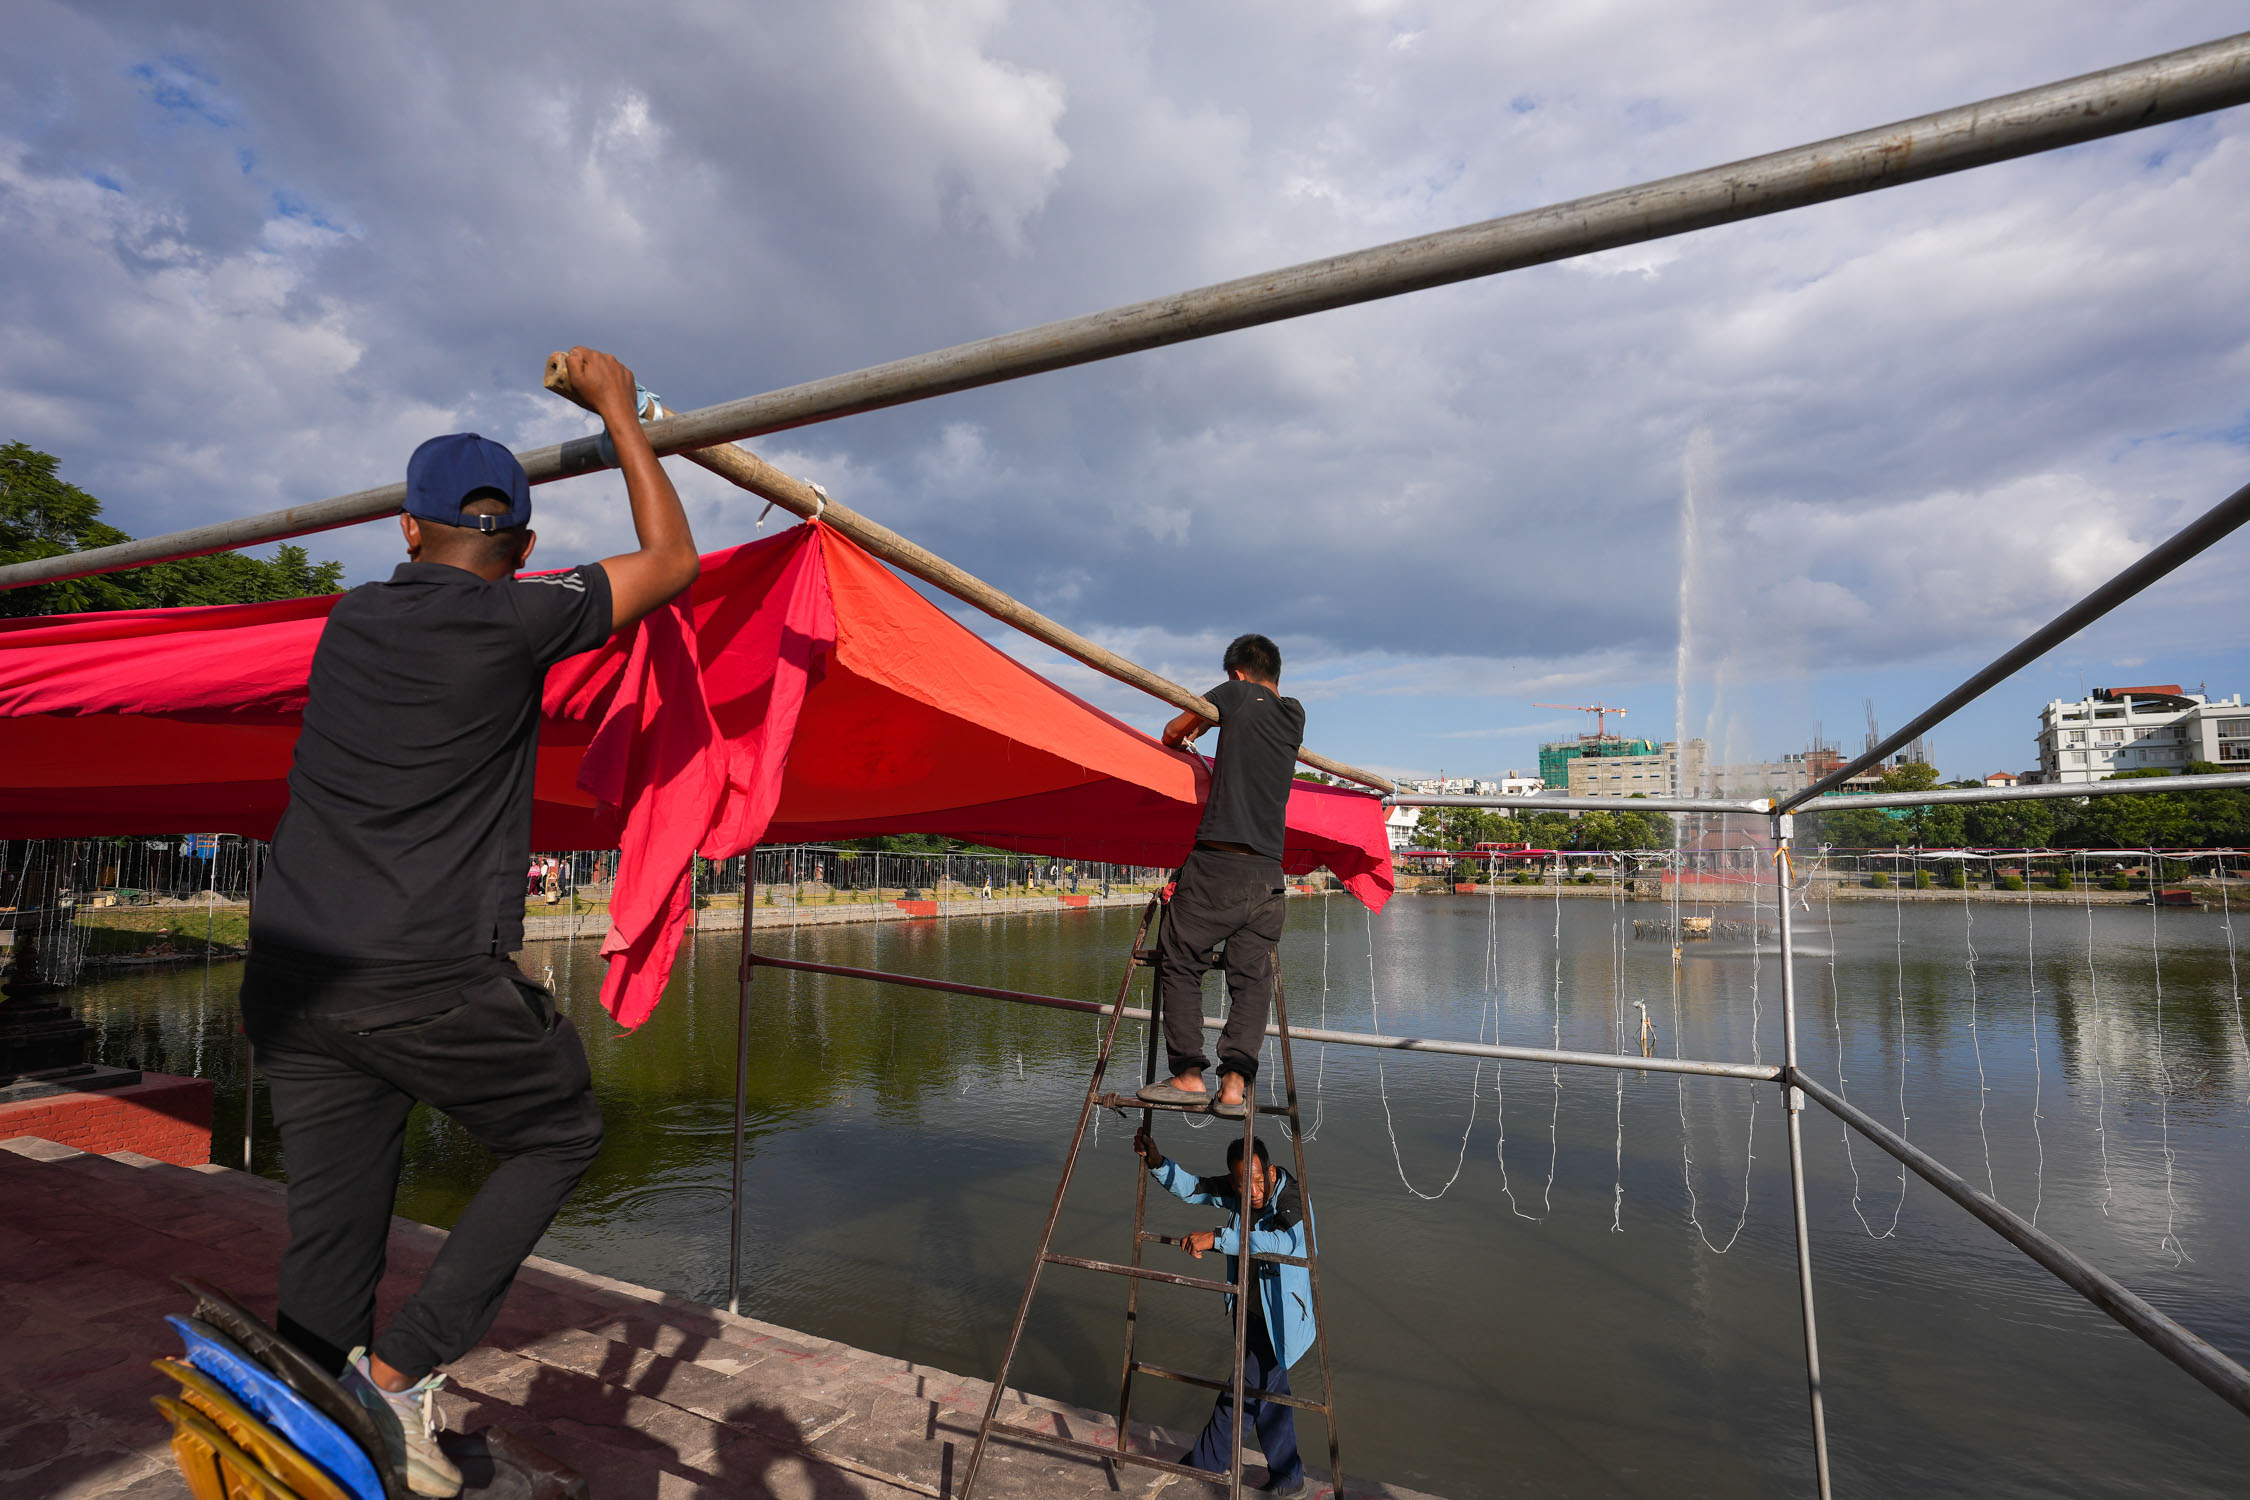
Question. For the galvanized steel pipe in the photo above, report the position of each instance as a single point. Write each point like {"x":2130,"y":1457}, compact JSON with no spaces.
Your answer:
{"x":1793,"y":1104}
{"x":1532,"y":802}
{"x":2190,"y":541}
{"x":2154,"y":91}
{"x":2137,"y":786}
{"x":1749,"y":1072}
{"x":2175,"y":1342}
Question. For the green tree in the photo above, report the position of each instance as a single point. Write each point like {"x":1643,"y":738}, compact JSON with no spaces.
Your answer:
{"x":2011,"y":825}
{"x":1643,"y":830}
{"x":910,"y":843}
{"x":43,"y":515}
{"x":1941,"y":826}
{"x":2133,"y":821}
{"x":1463,"y":828}
{"x":2220,"y":817}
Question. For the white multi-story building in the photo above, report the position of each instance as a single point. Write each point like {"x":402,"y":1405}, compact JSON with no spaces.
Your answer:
{"x":2139,"y":729}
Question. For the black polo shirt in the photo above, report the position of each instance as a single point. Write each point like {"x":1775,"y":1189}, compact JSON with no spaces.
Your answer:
{"x":1255,"y":767}
{"x":409,"y":821}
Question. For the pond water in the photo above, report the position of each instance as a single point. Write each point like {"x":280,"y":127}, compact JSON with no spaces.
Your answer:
{"x":1536,"y":1286}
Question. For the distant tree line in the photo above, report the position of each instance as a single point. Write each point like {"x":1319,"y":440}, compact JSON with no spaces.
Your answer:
{"x":2125,"y":821}
{"x":42,"y":515}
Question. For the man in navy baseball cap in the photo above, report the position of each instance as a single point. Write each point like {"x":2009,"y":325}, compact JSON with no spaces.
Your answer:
{"x":379,"y":971}
{"x":446,"y":473}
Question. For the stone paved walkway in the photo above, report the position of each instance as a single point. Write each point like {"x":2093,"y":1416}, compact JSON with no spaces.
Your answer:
{"x":650,"y":1396}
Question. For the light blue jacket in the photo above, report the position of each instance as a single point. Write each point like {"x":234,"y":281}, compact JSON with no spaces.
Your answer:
{"x":1284,"y":1292}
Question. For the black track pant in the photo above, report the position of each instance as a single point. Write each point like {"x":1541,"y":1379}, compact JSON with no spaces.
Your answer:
{"x":347,"y":1053}
{"x":1272,"y":1425}
{"x":1237,"y":899}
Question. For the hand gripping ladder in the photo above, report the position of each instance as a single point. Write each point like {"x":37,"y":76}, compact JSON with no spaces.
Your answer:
{"x":1240,"y":1288}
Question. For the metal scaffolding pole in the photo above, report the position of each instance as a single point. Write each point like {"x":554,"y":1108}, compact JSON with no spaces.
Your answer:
{"x":744,"y":969}
{"x":2190,"y":541}
{"x":2153,"y":91}
{"x":1748,"y":1072}
{"x":2139,"y":786}
{"x":2176,"y":1343}
{"x":1536,"y":803}
{"x":1793,"y":1114}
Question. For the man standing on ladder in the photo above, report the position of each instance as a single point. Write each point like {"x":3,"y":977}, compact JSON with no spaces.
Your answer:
{"x":1281,"y":1325}
{"x":379,"y":971}
{"x":1230,"y":889}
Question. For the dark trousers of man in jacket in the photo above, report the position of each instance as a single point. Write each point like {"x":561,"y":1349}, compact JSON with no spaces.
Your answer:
{"x":1263,"y":1374}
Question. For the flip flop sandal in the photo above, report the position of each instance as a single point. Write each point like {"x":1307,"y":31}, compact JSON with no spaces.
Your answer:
{"x":1165,"y":1092}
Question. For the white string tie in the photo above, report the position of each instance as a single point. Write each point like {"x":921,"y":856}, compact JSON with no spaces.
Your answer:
{"x":820,"y":506}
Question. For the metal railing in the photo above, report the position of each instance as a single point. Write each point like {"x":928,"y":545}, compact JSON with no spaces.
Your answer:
{"x":2196,"y":1356}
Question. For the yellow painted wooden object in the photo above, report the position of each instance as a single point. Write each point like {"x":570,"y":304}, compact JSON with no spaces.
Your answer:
{"x":215,"y":1468}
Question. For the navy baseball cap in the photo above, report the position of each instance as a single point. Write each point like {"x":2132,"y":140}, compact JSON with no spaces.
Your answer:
{"x":447,"y":472}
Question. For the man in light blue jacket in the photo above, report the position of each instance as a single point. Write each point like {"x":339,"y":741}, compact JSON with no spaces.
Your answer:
{"x":1281,"y":1325}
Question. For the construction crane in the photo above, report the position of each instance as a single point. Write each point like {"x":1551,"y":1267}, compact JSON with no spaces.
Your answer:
{"x":1600,"y":711}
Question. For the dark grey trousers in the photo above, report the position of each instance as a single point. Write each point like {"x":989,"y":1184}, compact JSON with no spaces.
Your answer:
{"x":347,"y":1055}
{"x":1237,"y":899}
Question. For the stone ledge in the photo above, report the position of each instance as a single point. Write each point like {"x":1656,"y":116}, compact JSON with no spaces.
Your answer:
{"x":162,"y":1116}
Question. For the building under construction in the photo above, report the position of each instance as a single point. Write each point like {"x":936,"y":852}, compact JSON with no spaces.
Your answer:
{"x":1555,"y":757}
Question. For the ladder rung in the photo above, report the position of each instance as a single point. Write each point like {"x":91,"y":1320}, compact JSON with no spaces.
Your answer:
{"x":1281,"y":1260}
{"x":1150,"y":1238}
{"x":1143,"y":1272}
{"x":1182,"y":1376}
{"x":1103,"y":1451}
{"x":1135,"y":1101}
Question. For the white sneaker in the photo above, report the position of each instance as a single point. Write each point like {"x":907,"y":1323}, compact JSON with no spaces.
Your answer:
{"x":408,"y":1422}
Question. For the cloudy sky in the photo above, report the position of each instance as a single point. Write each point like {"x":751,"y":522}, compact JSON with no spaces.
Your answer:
{"x":255,"y":252}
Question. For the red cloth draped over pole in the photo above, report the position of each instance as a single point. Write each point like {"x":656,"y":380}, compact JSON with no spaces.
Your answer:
{"x":801,"y":691}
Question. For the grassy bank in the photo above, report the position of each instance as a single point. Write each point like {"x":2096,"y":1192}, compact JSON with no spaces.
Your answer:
{"x":145,"y":931}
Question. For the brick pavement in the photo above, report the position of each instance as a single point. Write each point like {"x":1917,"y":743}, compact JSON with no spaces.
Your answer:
{"x":652,"y":1397}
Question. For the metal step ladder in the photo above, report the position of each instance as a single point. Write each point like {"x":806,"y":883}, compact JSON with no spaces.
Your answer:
{"x":1135,"y":1273}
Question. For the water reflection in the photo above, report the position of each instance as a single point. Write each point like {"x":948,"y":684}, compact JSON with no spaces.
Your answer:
{"x":1580,"y":1339}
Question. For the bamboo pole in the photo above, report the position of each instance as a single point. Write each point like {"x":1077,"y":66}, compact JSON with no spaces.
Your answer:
{"x":2133,"y":96}
{"x":740,"y":466}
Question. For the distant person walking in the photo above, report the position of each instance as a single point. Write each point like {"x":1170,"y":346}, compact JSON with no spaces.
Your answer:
{"x":1230,"y":889}
{"x":378,"y":973}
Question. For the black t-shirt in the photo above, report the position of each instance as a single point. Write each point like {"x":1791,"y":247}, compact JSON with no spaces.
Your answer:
{"x":409,"y":819}
{"x":1259,"y":732}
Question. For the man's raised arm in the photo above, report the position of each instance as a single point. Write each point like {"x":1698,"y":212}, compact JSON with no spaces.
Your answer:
{"x":639,"y":582}
{"x":1182,"y":731}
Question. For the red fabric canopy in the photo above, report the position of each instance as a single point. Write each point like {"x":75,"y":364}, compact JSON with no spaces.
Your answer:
{"x":801,"y":691}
